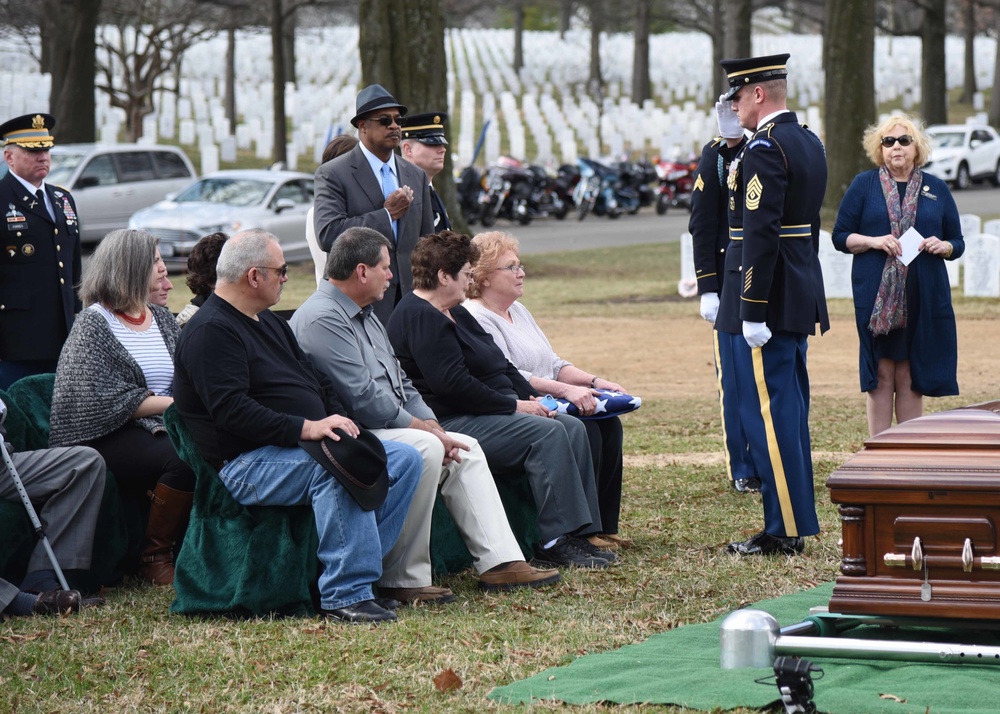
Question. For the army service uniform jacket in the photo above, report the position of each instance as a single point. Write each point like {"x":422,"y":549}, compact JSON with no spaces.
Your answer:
{"x":709,"y":223}
{"x":39,"y":271}
{"x":776,"y":187}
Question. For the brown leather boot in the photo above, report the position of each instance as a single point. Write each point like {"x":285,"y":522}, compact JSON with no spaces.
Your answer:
{"x":168,"y":519}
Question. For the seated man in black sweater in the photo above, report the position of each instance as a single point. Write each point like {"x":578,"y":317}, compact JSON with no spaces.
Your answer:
{"x":249,"y":396}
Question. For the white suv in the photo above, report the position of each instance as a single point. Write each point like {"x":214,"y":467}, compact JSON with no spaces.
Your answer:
{"x":963,"y":153}
{"x":110,"y":182}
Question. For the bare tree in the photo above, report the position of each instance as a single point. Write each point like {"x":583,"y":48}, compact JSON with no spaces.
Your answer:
{"x":849,"y":55}
{"x":595,"y":8}
{"x":995,"y":97}
{"x":933,"y":87}
{"x":68,"y":29}
{"x":518,"y":10}
{"x":138,"y":43}
{"x":738,"y":16}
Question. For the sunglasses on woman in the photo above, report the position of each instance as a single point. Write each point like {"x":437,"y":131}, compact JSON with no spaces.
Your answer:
{"x":904,"y":140}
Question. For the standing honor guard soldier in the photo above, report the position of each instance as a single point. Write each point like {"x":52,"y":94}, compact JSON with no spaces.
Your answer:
{"x":40,"y":254}
{"x":425,"y":145}
{"x":709,"y":228}
{"x":773,"y":295}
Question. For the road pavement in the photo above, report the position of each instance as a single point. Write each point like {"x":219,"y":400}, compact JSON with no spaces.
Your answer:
{"x":549,"y":235}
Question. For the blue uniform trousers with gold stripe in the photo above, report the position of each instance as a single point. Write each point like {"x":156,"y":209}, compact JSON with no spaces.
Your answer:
{"x":738,"y":462}
{"x":773,"y":390}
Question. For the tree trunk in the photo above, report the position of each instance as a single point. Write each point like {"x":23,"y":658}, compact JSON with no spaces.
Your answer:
{"x":280,"y":151}
{"x":565,"y":15}
{"x":596,"y":25}
{"x":640,"y":56}
{"x":719,"y":83}
{"x":850,"y":93}
{"x":933,"y":88}
{"x":995,"y":96}
{"x":229,"y":98}
{"x":738,"y":14}
{"x":518,"y":36}
{"x":970,"y":56}
{"x":73,"y":50}
{"x":288,"y":30}
{"x":402,"y":48}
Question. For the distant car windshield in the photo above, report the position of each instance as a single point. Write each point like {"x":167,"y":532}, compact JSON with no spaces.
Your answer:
{"x":231,"y":191}
{"x":62,"y":167}
{"x":947,"y":139}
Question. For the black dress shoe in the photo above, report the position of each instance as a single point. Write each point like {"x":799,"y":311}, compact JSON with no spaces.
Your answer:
{"x":55,"y":602}
{"x":747,"y":485}
{"x":766,"y":544}
{"x":364,"y":611}
{"x":570,"y":551}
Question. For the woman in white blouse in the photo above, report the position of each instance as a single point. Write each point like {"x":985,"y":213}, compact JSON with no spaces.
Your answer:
{"x":115,"y":379}
{"x":497,"y":283}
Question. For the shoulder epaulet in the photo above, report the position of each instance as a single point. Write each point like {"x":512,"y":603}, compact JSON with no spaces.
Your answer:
{"x":717,"y":142}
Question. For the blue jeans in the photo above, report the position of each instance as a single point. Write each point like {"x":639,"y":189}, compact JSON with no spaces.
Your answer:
{"x":352,"y":542}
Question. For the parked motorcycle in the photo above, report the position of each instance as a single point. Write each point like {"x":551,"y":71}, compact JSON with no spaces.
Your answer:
{"x":676,"y":184}
{"x":602,"y":191}
{"x":469,"y":188}
{"x":546,"y":198}
{"x":506,"y":193}
{"x":638,"y":176}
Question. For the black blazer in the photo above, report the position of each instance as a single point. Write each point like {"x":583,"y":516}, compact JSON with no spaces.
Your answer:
{"x":39,"y":272}
{"x":709,"y":224}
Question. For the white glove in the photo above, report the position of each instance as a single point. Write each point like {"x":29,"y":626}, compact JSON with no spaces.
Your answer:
{"x":729,"y":121}
{"x":756,"y":333}
{"x":710,"y":306}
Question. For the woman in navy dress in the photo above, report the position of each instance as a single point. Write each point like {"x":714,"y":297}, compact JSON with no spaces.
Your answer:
{"x":906,"y":324}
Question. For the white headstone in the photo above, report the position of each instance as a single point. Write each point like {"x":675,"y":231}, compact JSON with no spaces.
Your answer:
{"x":982,"y":265}
{"x":971,"y":224}
{"x":992,"y":227}
{"x":187,"y":134}
{"x":209,"y":158}
{"x":836,"y":268}
{"x":227,"y":150}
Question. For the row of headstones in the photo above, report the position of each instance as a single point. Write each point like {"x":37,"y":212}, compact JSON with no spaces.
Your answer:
{"x":980,"y":264}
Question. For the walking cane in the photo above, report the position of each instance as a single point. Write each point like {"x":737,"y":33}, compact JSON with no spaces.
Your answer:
{"x":37,"y":524}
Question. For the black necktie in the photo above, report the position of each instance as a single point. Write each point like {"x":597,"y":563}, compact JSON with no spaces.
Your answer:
{"x":40,"y":195}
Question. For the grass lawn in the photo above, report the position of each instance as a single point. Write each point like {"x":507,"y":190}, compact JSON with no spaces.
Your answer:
{"x":613,"y":312}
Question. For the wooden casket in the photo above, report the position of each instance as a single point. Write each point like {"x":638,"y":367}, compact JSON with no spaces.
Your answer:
{"x":920,"y":509}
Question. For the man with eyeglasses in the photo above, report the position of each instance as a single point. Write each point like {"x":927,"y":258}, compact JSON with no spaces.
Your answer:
{"x":258,"y":410}
{"x":773,"y":295}
{"x":372,"y":187}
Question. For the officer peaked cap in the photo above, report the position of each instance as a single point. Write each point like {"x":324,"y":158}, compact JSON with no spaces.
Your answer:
{"x":751,"y":70}
{"x":426,"y":128}
{"x":31,"y":131}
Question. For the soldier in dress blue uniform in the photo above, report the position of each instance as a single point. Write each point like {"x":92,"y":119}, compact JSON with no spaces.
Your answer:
{"x":709,"y":228}
{"x":40,"y":254}
{"x":425,"y":145}
{"x":773,"y":295}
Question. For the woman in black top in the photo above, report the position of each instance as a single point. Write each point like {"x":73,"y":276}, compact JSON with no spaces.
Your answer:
{"x":465,"y":378}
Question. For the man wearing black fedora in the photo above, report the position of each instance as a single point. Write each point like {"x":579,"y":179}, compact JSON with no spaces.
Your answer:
{"x":275,"y":429}
{"x":372,"y":187}
{"x":40,"y":254}
{"x":425,"y":145}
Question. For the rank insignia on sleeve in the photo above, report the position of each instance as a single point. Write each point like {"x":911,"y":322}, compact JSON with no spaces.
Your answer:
{"x":732,"y":204}
{"x":699,"y":185}
{"x":755,"y":189}
{"x":748,"y":279}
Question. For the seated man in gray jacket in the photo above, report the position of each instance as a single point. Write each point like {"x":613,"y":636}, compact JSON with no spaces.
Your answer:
{"x":344,"y":339}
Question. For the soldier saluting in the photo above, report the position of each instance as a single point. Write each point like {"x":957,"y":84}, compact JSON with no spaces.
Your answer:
{"x":773,"y":295}
{"x":39,"y":254}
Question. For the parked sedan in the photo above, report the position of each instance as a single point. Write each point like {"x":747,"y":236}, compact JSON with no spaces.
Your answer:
{"x":964,"y":153}
{"x":229,"y":201}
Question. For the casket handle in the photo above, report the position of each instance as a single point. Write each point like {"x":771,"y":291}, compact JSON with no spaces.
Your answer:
{"x":967,"y":556}
{"x":899,"y":560}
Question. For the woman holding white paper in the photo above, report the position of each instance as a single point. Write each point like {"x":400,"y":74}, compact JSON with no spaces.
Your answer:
{"x":906,"y":325}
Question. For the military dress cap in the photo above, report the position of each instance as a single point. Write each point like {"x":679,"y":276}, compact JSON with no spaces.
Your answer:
{"x":31,"y":131}
{"x":372,"y":98}
{"x":426,"y":128}
{"x":751,"y":70}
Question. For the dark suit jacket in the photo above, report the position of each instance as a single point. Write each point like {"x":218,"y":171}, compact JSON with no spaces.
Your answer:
{"x":777,"y":189}
{"x":39,"y":271}
{"x":349,"y":194}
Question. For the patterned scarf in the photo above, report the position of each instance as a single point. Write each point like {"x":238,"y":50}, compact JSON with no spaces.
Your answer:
{"x":889,"y":312}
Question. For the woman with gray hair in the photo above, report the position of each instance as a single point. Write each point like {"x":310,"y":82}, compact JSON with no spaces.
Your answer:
{"x":114,"y":381}
{"x":906,"y":325}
